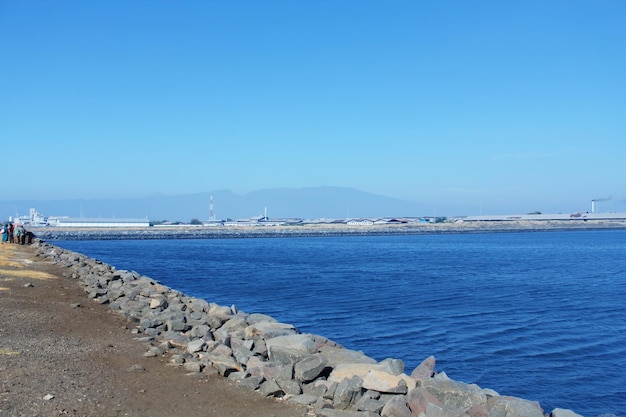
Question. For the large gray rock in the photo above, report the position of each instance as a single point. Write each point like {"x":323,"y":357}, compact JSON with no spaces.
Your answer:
{"x":310,"y":367}
{"x":396,"y":407}
{"x":348,"y":391}
{"x":241,"y":350}
{"x":276,"y":371}
{"x":455,"y":394}
{"x":561,"y":412}
{"x":224,"y":364}
{"x":392,"y":366}
{"x":384,"y":382}
{"x":196,"y":345}
{"x":433,"y":410}
{"x":254,"y":365}
{"x":418,"y":399}
{"x":335,"y":356}
{"x":513,"y":407}
{"x":198,"y":305}
{"x":257,"y":317}
{"x":290,"y":349}
{"x":251,"y":383}
{"x":303,"y":399}
{"x":234,"y":327}
{"x":348,"y":370}
{"x":177,"y":325}
{"x":218,"y":315}
{"x":271,"y":389}
{"x":289,"y":386}
{"x":268,"y":330}
{"x":368,"y":404}
{"x":424,"y":370}
{"x":201,"y":330}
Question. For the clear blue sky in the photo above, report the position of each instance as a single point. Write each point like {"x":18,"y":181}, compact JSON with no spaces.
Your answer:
{"x":489,"y":107}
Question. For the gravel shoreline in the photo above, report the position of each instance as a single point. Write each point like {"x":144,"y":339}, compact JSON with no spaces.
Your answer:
{"x":61,"y":354}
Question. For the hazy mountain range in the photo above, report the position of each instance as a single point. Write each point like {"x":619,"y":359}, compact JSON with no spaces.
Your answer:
{"x":305,"y":203}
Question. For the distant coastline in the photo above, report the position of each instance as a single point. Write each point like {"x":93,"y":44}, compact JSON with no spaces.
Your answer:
{"x":318,"y":230}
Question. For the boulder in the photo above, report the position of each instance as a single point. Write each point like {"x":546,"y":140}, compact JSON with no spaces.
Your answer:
{"x":196,"y":345}
{"x":433,"y":410}
{"x":303,"y":399}
{"x":290,"y":349}
{"x":257,"y":317}
{"x":234,"y":327}
{"x":289,"y":386}
{"x":348,"y":370}
{"x":396,"y":407}
{"x":201,"y":330}
{"x":348,"y":391}
{"x":268,"y":330}
{"x":513,"y":407}
{"x":224,"y":364}
{"x":560,"y":412}
{"x":271,"y":389}
{"x":424,"y":370}
{"x":335,"y":356}
{"x":310,"y":367}
{"x":418,"y":399}
{"x":277,"y":371}
{"x":252,"y":382}
{"x":455,"y":394}
{"x":384,"y":382}
{"x":368,"y":404}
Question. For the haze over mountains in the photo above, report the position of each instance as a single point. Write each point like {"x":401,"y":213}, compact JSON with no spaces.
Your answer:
{"x":306,"y":203}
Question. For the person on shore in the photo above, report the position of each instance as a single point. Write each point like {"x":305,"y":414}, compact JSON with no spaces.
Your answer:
{"x":22,"y":234}
{"x":17,"y":234}
{"x":11,"y":230}
{"x":5,"y":233}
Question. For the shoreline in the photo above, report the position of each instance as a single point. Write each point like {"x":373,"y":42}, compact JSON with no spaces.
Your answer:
{"x":318,"y":230}
{"x":275,"y":359}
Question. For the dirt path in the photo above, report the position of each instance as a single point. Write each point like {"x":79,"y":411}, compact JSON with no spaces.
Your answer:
{"x":63,"y":355}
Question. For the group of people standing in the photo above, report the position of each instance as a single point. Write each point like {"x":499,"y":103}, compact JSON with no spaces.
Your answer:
{"x":14,"y":233}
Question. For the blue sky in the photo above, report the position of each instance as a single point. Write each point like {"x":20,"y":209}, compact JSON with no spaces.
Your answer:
{"x":464,"y":107}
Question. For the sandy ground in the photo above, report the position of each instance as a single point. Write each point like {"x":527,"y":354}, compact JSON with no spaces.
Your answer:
{"x":61,"y":354}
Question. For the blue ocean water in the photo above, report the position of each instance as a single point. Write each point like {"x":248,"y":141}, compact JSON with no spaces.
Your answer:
{"x":537,"y":315}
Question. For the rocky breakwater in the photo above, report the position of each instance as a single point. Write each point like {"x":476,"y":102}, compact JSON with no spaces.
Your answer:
{"x":261,"y":354}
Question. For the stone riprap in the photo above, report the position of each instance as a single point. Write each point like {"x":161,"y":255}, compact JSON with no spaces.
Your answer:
{"x":261,"y":354}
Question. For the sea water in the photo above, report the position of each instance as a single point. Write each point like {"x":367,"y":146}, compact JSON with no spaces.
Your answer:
{"x":539,"y":315}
